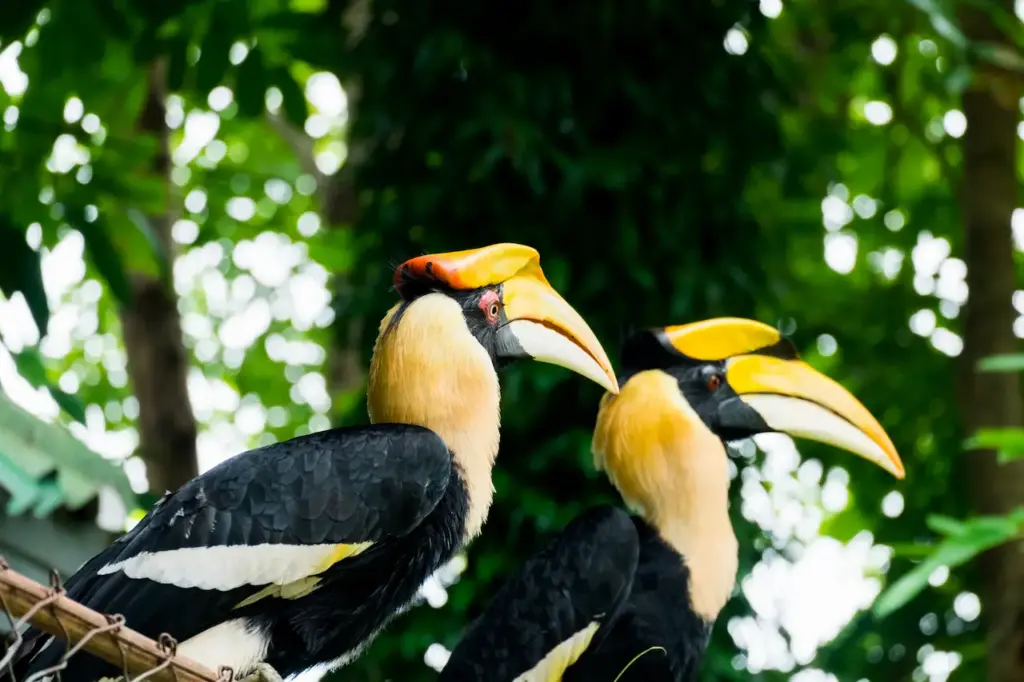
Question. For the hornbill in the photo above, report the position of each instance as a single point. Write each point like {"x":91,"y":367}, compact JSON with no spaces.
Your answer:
{"x":583,"y":609}
{"x":294,"y":555}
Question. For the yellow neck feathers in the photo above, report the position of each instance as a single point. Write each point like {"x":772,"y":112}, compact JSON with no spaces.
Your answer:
{"x":428,"y":370}
{"x":672,"y":470}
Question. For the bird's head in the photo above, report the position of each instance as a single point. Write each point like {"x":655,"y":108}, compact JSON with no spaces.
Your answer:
{"x":689,"y":388}
{"x":463,"y":315}
{"x":508,"y":306}
{"x":499,"y":296}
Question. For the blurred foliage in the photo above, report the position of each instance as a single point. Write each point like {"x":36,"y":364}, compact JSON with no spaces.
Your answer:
{"x":805,"y":174}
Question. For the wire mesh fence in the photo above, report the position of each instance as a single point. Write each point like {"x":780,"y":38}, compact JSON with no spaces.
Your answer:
{"x":84,"y":632}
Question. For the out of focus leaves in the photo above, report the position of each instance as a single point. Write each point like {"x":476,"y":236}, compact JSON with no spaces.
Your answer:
{"x":964,"y":541}
{"x":30,"y":365}
{"x":251,"y":86}
{"x":16,"y":18}
{"x":20,"y":271}
{"x":941,"y":17}
{"x":1013,"y":362}
{"x":213,"y":61}
{"x":107,"y":259}
{"x":154,"y":247}
{"x":1008,"y":441}
{"x":743,"y":184}
{"x":294,"y":100}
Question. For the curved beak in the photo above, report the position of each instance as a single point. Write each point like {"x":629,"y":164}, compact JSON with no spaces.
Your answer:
{"x":542,"y":326}
{"x":791,"y":397}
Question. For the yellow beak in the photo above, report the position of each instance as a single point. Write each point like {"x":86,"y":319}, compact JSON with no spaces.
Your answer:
{"x":793,"y":398}
{"x":540,"y":324}
{"x":546,"y":328}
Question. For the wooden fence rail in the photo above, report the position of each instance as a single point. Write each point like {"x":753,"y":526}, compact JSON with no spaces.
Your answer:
{"x":105,"y":636}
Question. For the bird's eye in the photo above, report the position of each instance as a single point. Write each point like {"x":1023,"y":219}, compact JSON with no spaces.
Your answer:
{"x":714,"y":381}
{"x":490,"y":305}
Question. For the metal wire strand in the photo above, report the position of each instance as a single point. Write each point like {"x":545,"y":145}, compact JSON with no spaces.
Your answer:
{"x":170,"y":647}
{"x":85,"y":632}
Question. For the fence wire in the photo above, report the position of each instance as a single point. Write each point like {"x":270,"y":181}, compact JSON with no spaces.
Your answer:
{"x":87,"y":632}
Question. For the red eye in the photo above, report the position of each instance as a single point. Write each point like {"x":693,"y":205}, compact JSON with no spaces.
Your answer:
{"x":714,"y":381}
{"x":490,"y":305}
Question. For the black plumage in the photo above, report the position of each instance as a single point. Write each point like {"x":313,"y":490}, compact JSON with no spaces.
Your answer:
{"x":606,"y":567}
{"x":392,"y":485}
{"x":684,"y":392}
{"x":657,"y":637}
{"x":297,"y":554}
{"x":581,"y":577}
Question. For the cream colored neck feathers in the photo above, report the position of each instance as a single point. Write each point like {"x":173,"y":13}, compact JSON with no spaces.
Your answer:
{"x":673,"y":471}
{"x":429,"y":370}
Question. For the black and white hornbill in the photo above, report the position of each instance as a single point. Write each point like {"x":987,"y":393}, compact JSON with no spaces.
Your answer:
{"x":294,"y":555}
{"x":574,"y":613}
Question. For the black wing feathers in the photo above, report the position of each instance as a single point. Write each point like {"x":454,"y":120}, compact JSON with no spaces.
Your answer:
{"x":341,"y":486}
{"x":582,"y":576}
{"x":337,"y":486}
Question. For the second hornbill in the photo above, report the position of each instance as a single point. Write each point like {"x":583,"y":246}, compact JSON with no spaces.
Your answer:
{"x":295,"y":555}
{"x":612,"y":600}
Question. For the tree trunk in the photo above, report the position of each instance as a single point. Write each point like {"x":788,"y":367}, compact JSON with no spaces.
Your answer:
{"x":157,"y":361}
{"x":990,"y":191}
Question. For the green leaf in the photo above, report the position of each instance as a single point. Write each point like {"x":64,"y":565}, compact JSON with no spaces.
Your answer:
{"x":1002,"y":56}
{"x":106,"y":258}
{"x":943,"y":24}
{"x":1002,"y":363}
{"x":17,"y":17}
{"x":251,"y":84}
{"x":945,"y":525}
{"x":844,"y":525}
{"x":177,"y":63}
{"x":114,"y":20}
{"x":31,"y":367}
{"x":74,"y":407}
{"x":144,"y":228}
{"x":972,"y":538}
{"x":308,"y":5}
{"x":213,"y":59}
{"x":1008,"y":442}
{"x":21,"y":270}
{"x":294,"y":99}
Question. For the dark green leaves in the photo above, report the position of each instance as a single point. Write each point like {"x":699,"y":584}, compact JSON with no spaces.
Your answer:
{"x":942,"y":19}
{"x":251,"y":84}
{"x":20,"y":270}
{"x":214,"y":49}
{"x":294,"y":102}
{"x":106,"y":258}
{"x":17,"y":17}
{"x":177,"y":63}
{"x":156,"y":248}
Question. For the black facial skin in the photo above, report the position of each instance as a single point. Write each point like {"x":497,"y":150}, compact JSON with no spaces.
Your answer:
{"x":502,"y":347}
{"x":703,"y":384}
{"x":705,"y":388}
{"x":492,"y":333}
